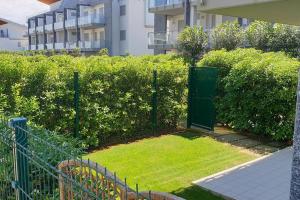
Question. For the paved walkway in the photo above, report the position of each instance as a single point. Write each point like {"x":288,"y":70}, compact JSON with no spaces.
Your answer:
{"x":267,"y":178}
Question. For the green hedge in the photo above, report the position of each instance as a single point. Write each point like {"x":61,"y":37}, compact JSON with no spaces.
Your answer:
{"x":256,"y":91}
{"x":115,"y":93}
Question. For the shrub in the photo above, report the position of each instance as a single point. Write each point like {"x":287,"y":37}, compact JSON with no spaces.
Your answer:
{"x":191,"y":43}
{"x":104,"y":52}
{"x":285,"y":38}
{"x":115,"y":93}
{"x":259,"y":34}
{"x":257,"y":91}
{"x":228,"y":35}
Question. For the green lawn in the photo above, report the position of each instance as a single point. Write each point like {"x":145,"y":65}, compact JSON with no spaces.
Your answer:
{"x":170,"y":163}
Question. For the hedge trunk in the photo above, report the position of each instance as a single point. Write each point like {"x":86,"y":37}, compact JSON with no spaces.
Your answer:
{"x":295,"y":181}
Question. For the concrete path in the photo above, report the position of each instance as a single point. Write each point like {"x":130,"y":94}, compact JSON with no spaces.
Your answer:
{"x":267,"y":178}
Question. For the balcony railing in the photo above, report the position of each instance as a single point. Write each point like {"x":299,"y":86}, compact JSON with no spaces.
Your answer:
{"x":91,"y":20}
{"x":49,"y":46}
{"x":41,"y":47}
{"x":154,"y":4}
{"x":70,"y":23}
{"x":59,"y":25}
{"x":33,"y":47}
{"x":98,"y":44}
{"x":59,"y":45}
{"x":31,"y":31}
{"x":49,"y":27}
{"x":166,"y":40}
{"x":71,"y":45}
{"x":40,"y":29}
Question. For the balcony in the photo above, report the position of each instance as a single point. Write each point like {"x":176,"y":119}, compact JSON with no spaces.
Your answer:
{"x":31,"y":31}
{"x":70,"y":23}
{"x":92,"y":45}
{"x":162,"y":40}
{"x":49,"y":28}
{"x":166,"y":7}
{"x":41,"y":47}
{"x":49,"y":46}
{"x":71,"y":45}
{"x":59,"y":45}
{"x":59,"y":25}
{"x":33,"y":47}
{"x":91,"y":21}
{"x":40,"y":29}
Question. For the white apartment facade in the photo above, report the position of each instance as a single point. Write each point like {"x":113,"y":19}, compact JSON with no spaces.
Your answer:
{"x":171,"y":16}
{"x":12,"y":36}
{"x":121,"y":26}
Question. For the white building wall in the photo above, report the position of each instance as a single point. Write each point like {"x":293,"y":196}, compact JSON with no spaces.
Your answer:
{"x":16,"y":40}
{"x":115,"y":28}
{"x":140,"y":24}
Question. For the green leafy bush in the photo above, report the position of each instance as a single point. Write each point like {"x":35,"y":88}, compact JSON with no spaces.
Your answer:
{"x":115,"y":93}
{"x":285,"y":38}
{"x":228,"y":35}
{"x":256,"y":91}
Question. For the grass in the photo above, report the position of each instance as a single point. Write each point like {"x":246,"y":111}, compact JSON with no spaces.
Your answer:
{"x":170,"y":163}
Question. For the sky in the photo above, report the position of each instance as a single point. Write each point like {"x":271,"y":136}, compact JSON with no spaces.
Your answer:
{"x":19,"y":10}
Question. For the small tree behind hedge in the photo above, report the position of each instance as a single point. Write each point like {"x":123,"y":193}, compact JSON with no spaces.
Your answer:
{"x":192,"y":42}
{"x":228,"y":35}
{"x":259,"y":34}
{"x":285,"y":38}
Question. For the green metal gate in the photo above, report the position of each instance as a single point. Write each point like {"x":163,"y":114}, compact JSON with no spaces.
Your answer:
{"x":202,"y":87}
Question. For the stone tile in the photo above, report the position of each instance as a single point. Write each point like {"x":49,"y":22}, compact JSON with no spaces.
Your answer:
{"x":264,"y":179}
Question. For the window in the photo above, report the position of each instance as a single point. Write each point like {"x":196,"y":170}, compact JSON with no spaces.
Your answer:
{"x":180,"y":25}
{"x":95,"y":36}
{"x":122,"y":10}
{"x":19,"y":44}
{"x":86,"y":37}
{"x":122,"y":35}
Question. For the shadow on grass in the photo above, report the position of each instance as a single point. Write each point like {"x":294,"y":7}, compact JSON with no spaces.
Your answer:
{"x":195,"y":193}
{"x":190,"y":135}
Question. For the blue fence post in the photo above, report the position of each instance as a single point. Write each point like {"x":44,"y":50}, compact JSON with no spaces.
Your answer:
{"x":21,"y":183}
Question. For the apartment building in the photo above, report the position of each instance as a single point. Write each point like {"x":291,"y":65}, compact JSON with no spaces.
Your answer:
{"x":171,"y":16}
{"x":12,"y":36}
{"x":121,"y":26}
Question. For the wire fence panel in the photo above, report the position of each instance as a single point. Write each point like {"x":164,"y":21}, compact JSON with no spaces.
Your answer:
{"x":28,"y":173}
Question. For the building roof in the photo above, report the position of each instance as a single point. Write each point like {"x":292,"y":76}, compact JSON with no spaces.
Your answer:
{"x":18,"y":11}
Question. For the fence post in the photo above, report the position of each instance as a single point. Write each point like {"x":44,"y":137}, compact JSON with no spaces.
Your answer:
{"x":21,"y":158}
{"x":76,"y":104}
{"x":190,"y":85}
{"x":154,"y":102}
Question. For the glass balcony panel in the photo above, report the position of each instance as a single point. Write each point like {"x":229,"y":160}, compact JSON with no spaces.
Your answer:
{"x":49,"y":46}
{"x":40,"y":29}
{"x":40,"y":46}
{"x":91,"y":19}
{"x":59,"y":45}
{"x":58,"y":25}
{"x":48,"y":27}
{"x":164,"y":3}
{"x":71,"y":23}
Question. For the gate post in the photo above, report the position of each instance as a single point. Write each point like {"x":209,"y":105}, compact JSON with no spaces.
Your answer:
{"x":154,"y":102}
{"x":20,"y":157}
{"x":76,"y":104}
{"x":190,"y":86}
